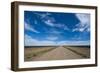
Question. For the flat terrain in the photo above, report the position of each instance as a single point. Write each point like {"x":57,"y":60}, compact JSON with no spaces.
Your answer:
{"x":56,"y":53}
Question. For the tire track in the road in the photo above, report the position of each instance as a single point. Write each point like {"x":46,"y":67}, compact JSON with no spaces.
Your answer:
{"x":83,"y":55}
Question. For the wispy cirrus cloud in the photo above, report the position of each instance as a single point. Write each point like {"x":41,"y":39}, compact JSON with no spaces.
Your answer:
{"x":43,"y":15}
{"x":51,"y":21}
{"x":84,"y":24}
{"x":84,"y":18}
{"x":30,"y":28}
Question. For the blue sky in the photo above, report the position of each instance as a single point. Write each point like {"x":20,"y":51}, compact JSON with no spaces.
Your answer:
{"x":56,"y":28}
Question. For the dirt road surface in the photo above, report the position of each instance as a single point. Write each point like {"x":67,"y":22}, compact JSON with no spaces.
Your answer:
{"x":59,"y":53}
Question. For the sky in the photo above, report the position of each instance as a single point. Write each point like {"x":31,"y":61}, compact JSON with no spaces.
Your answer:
{"x":56,"y":28}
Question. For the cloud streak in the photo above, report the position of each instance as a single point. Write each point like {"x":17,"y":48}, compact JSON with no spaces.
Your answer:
{"x":30,"y":28}
{"x":51,"y":21}
{"x":84,"y":23}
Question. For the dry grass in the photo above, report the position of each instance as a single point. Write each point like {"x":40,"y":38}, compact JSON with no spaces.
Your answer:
{"x":83,"y":51}
{"x":31,"y":53}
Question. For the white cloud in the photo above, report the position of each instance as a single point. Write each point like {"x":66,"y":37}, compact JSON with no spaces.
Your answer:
{"x":88,"y":29}
{"x":79,"y":29}
{"x":30,"y":28}
{"x":49,"y":22}
{"x":54,"y":31}
{"x":62,"y":26}
{"x":53,"y":24}
{"x":84,"y":23}
{"x":43,"y":15}
{"x":29,"y":41}
{"x":84,"y":18}
{"x":73,"y":43}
